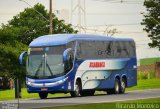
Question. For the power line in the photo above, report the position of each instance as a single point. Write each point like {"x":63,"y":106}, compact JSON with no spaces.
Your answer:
{"x":35,"y":10}
{"x":7,"y":13}
{"x":130,"y":24}
{"x":117,"y":14}
{"x":122,"y":1}
{"x":143,"y":40}
{"x":91,"y":13}
{"x":108,"y":31}
{"x":129,"y":32}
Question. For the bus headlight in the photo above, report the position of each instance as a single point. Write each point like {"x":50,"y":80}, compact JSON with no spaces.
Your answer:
{"x":29,"y":83}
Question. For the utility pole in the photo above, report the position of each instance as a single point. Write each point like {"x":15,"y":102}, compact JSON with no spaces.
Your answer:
{"x":79,"y":7}
{"x":50,"y":12}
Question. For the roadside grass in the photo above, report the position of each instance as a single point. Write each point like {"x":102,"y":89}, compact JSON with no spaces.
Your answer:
{"x":142,"y":84}
{"x":146,"y":84}
{"x":132,"y":104}
{"x":9,"y":94}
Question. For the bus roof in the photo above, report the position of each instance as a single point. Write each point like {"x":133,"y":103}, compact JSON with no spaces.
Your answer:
{"x":60,"y":39}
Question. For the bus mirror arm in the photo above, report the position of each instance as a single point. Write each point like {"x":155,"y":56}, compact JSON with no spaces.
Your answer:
{"x":21,"y":57}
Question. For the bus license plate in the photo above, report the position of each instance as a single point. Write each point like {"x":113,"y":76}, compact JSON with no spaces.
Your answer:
{"x":44,"y":89}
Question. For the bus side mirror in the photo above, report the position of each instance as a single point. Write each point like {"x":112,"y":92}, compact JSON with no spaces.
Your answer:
{"x":21,"y":58}
{"x":66,"y":54}
{"x":68,"y":59}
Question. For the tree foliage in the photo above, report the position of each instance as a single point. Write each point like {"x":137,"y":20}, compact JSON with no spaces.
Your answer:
{"x":10,"y":50}
{"x":20,"y":31}
{"x":152,"y":22}
{"x":34,"y":22}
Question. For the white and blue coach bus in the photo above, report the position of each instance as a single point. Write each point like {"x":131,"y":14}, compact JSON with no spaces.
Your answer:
{"x":80,"y":64}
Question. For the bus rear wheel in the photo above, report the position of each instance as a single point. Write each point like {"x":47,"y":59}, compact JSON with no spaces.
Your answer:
{"x":43,"y":95}
{"x":122,"y":86}
{"x":116,"y":89}
{"x":78,"y":88}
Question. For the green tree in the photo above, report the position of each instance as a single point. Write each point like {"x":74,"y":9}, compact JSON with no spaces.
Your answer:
{"x":152,"y":22}
{"x":19,"y":32}
{"x":35,"y":24}
{"x":10,"y":50}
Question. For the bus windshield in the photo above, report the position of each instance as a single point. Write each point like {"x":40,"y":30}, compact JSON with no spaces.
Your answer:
{"x":45,"y":62}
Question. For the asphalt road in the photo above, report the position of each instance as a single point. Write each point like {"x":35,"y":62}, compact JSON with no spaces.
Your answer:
{"x":62,"y":101}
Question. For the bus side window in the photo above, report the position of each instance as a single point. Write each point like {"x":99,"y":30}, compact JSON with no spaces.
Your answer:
{"x":117,"y":50}
{"x":124,"y":50}
{"x":109,"y":51}
{"x":131,"y":49}
{"x":103,"y":49}
{"x":71,"y":45}
{"x":78,"y":56}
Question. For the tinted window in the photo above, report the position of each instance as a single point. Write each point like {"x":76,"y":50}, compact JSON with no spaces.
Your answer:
{"x":123,"y":49}
{"x":45,"y":62}
{"x":117,"y":49}
{"x":94,"y":49}
{"x":85,"y":49}
{"x":131,"y":48}
{"x":71,"y":45}
{"x":105,"y":49}
{"x":55,"y":49}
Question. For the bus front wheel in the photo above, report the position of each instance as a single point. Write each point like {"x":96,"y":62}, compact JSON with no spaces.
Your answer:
{"x":43,"y":95}
{"x":76,"y":93}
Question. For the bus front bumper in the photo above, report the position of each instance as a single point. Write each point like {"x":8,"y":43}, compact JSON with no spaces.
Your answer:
{"x":52,"y":87}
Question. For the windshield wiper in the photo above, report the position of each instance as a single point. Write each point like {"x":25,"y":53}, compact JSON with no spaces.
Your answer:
{"x":49,"y":69}
{"x":38,"y":69}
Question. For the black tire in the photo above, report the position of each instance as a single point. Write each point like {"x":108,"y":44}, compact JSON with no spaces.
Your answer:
{"x":122,"y":86}
{"x":43,"y":95}
{"x":110,"y":91}
{"x":78,"y":88}
{"x":87,"y":93}
{"x":116,"y":89}
{"x":91,"y":92}
{"x":116,"y":86}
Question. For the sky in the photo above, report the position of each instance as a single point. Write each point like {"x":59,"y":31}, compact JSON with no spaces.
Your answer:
{"x":125,"y":17}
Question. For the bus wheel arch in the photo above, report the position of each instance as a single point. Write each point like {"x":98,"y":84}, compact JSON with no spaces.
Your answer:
{"x":125,"y":79}
{"x":77,"y":89}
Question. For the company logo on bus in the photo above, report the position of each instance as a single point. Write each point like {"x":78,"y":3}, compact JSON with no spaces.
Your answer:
{"x":97,"y":64}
